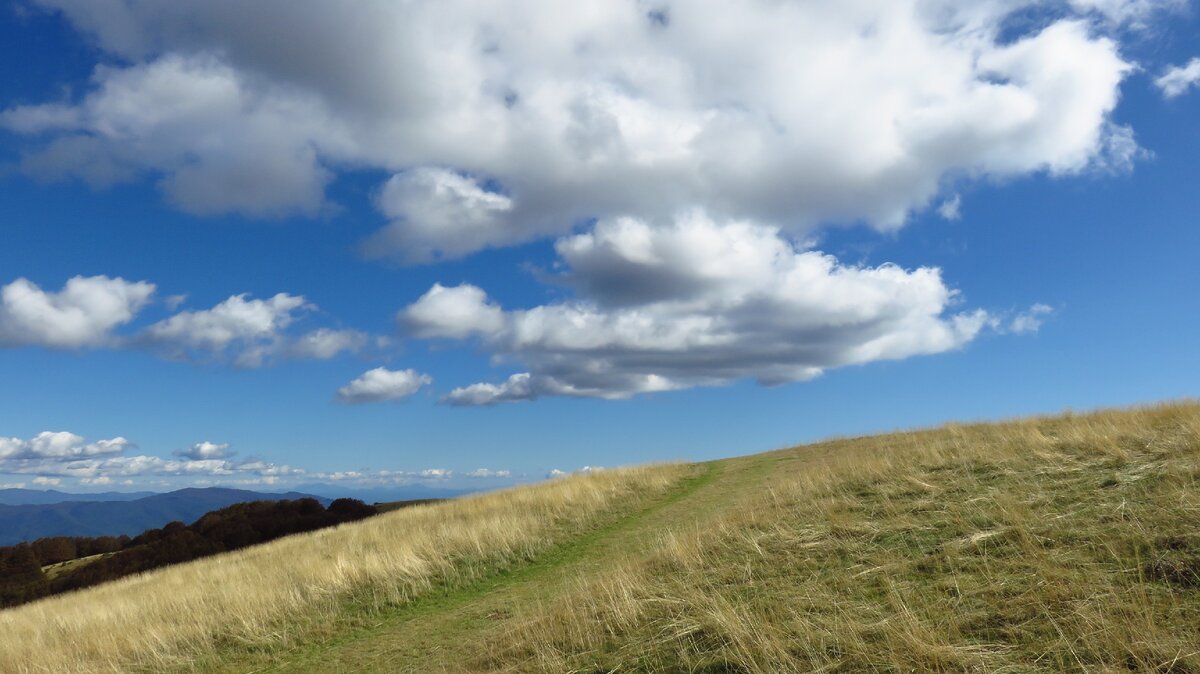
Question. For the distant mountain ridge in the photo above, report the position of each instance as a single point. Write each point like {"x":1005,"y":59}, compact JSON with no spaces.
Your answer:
{"x":410,"y":492}
{"x":13,"y":496}
{"x":31,"y":521}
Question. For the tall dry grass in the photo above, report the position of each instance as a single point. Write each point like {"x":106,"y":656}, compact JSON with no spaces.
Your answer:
{"x":1050,"y":544}
{"x":281,"y":592}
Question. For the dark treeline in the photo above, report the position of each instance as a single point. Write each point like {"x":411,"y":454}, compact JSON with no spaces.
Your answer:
{"x":238,"y":526}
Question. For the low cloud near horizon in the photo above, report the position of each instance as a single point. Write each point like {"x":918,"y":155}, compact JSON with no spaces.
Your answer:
{"x":50,"y":458}
{"x":61,"y":454}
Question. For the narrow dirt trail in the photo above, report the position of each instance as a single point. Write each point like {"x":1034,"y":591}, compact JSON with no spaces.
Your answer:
{"x":436,"y":634}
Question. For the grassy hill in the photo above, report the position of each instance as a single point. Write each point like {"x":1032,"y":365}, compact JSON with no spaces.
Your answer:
{"x":1066,"y":543}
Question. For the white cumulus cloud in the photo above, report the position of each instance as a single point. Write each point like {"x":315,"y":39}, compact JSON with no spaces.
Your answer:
{"x":381,"y":384}
{"x":517,"y":387}
{"x":452,"y":312}
{"x":489,"y":473}
{"x":517,"y":119}
{"x":205,"y":450}
{"x":251,"y":326}
{"x":248,"y":332}
{"x":59,"y":446}
{"x":89,"y":311}
{"x":220,"y":143}
{"x":700,"y":302}
{"x":435,"y":205}
{"x":83,"y":313}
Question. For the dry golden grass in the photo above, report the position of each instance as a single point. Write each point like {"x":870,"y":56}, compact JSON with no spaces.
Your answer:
{"x":1066,"y":543}
{"x":1053,"y":544}
{"x":282,"y":592}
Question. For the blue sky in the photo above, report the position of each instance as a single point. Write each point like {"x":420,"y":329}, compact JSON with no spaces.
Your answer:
{"x":687,"y":239}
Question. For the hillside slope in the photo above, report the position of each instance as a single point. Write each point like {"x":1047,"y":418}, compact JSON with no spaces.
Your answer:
{"x":51,"y":566}
{"x":1066,"y":543}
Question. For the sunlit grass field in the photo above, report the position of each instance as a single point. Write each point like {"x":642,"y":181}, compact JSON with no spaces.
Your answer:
{"x":285,"y":591}
{"x":1067,"y":543}
{"x":1053,"y":544}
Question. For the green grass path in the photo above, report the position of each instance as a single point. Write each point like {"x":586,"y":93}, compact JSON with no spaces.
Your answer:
{"x":433,"y":633}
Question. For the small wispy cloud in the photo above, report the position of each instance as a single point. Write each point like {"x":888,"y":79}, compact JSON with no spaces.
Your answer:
{"x":1030,"y":321}
{"x":951,"y":209}
{"x":1177,"y":80}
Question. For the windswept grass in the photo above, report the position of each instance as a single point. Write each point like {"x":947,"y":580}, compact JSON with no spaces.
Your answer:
{"x":1054,"y":544}
{"x":284,"y":592}
{"x":1067,"y":543}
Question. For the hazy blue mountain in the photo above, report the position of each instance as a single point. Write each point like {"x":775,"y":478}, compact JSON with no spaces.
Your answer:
{"x":381,"y":494}
{"x":47,"y":496}
{"x":113,"y":518}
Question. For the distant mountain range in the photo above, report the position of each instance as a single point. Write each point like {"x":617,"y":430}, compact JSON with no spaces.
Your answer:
{"x":381,"y":494}
{"x":112,"y":514}
{"x":47,"y":496}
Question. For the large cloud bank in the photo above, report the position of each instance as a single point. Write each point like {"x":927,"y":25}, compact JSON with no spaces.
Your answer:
{"x":505,"y":121}
{"x":696,"y":303}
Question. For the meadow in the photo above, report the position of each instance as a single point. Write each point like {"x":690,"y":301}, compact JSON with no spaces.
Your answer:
{"x":1059,"y":543}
